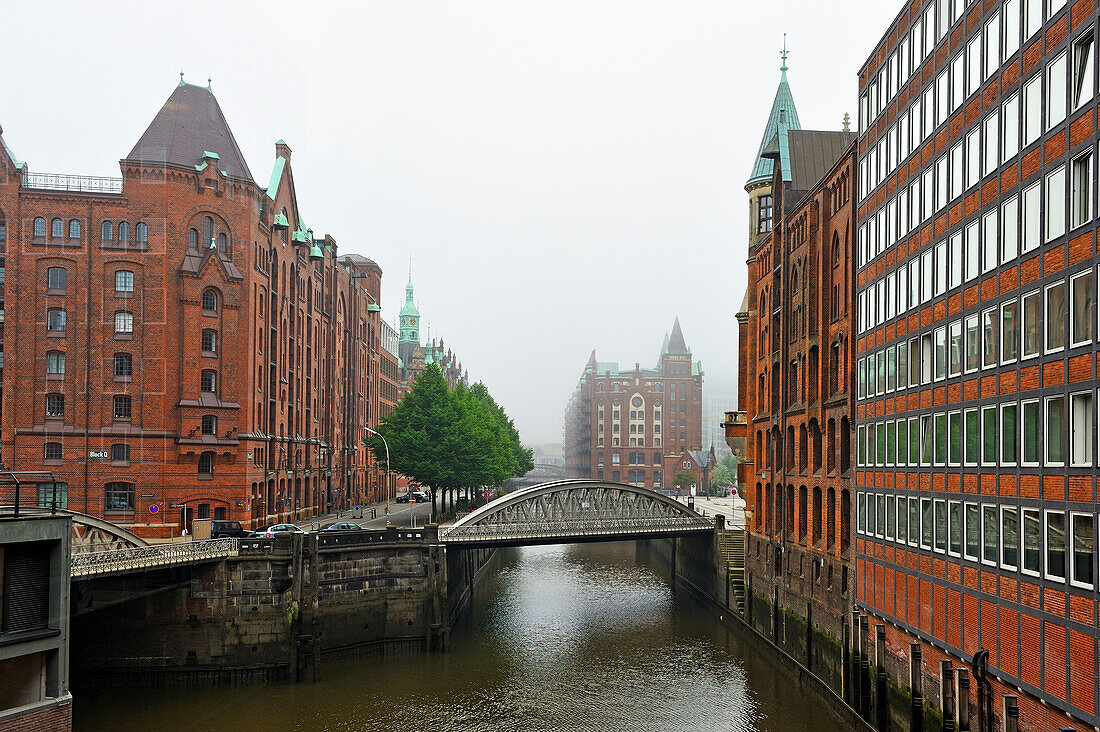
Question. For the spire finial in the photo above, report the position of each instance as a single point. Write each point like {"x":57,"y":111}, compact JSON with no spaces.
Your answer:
{"x":210,"y":81}
{"x":181,"y":78}
{"x":783,"y":68}
{"x":847,"y":122}
{"x":410,"y":268}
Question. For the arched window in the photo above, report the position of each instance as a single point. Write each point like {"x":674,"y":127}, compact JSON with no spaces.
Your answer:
{"x":193,"y":238}
{"x":118,"y":496}
{"x":123,"y":232}
{"x":124,"y":365}
{"x":120,"y":453}
{"x":56,"y":278}
{"x":40,"y":227}
{"x":210,"y":301}
{"x":53,"y":451}
{"x":142,"y":233}
{"x":74,"y":229}
{"x":209,"y":340}
{"x":124,"y":322}
{"x":209,"y":381}
{"x":107,"y":231}
{"x":223,"y":243}
{"x":57,"y":228}
{"x":207,"y":231}
{"x":124,"y":281}
{"x":206,"y":463}
{"x":123,"y":407}
{"x":209,"y":424}
{"x":55,"y":363}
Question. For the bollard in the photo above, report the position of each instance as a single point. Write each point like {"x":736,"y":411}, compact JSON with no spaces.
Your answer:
{"x":916,"y":717}
{"x":962,"y":700}
{"x":1010,"y":717}
{"x":947,"y":703}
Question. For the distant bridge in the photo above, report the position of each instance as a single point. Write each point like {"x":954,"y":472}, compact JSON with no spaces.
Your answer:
{"x":574,"y":511}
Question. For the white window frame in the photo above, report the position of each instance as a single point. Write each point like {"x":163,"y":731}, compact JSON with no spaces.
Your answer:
{"x":1046,"y":545}
{"x":1022,"y":453}
{"x":1071,"y":558}
{"x":1047,"y":401}
{"x":1016,"y":436}
{"x":997,"y":542}
{"x":1089,"y":426}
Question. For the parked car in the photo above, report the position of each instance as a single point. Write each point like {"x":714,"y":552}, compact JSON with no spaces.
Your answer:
{"x":226,"y":530}
{"x":271,"y":531}
{"x":342,"y":526}
{"x":421,"y":496}
{"x":403,"y":498}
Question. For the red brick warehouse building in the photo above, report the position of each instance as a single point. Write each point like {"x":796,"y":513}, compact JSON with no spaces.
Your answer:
{"x":624,"y":425}
{"x":180,"y":338}
{"x":795,"y":358}
{"x":977,"y":352}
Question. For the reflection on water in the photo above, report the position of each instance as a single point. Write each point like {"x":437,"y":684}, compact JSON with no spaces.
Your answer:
{"x":580,"y":637}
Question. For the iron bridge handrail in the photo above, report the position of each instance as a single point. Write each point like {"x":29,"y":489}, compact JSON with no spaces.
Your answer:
{"x":145,"y":557}
{"x":577,"y":527}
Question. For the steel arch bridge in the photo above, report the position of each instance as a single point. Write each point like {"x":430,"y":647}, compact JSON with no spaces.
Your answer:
{"x":574,"y":511}
{"x":90,"y":534}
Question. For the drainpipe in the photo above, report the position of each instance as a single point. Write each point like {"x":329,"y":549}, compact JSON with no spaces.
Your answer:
{"x":88,"y":363}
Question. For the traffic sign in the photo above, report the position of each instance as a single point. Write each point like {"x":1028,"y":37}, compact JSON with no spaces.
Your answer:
{"x":154,"y":508}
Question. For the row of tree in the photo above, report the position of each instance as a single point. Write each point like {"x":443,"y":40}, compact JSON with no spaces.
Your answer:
{"x":450,"y":439}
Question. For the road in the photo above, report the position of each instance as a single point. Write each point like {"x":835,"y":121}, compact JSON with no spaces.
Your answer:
{"x":732,"y":508}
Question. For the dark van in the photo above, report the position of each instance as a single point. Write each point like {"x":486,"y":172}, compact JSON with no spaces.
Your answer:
{"x":226,"y":530}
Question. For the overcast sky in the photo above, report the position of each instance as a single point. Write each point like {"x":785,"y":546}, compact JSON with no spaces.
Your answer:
{"x":565,"y":175}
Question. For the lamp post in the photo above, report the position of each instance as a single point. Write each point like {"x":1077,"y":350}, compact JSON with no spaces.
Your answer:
{"x":387,"y":487}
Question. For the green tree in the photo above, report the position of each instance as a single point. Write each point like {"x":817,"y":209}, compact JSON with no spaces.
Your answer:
{"x":522,"y":458}
{"x":683,"y":479}
{"x":730,"y":462}
{"x":721,"y":476}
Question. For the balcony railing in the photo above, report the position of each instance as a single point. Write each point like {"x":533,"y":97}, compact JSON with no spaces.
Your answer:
{"x":78,"y":183}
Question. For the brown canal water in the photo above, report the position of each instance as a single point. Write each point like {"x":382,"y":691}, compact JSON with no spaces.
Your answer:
{"x":579,"y":637}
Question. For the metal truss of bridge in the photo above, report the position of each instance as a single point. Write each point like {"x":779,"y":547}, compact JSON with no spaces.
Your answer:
{"x":574,"y":511}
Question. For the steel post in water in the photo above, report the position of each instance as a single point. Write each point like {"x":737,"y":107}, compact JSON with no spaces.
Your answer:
{"x":962,"y":700}
{"x":916,"y":719}
{"x":857,"y":683}
{"x":846,"y":662}
{"x":1010,"y":714}
{"x":882,"y":704}
{"x":947,"y":693}
{"x":865,"y":664}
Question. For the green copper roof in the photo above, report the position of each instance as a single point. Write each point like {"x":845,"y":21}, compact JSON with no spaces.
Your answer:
{"x":276,"y":176}
{"x":783,"y":118}
{"x":374,"y":308}
{"x":280,"y":220}
{"x":315,"y":252}
{"x":409,"y":308}
{"x":211,"y":155}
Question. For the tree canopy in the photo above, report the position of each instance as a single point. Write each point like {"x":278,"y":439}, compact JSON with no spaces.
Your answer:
{"x":683,"y":479}
{"x":450,"y":438}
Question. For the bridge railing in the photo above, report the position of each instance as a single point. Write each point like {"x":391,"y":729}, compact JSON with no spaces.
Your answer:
{"x":576,"y":527}
{"x":151,"y":557}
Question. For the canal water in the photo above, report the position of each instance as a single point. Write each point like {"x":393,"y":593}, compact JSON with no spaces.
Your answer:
{"x":562,"y":638}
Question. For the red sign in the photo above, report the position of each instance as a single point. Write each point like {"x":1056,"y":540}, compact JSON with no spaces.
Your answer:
{"x":412,"y":500}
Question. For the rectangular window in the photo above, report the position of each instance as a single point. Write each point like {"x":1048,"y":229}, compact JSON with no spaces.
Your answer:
{"x":973,"y":436}
{"x":1033,"y":109}
{"x":954,"y":528}
{"x":973,"y":157}
{"x":903,"y":516}
{"x":1056,"y":431}
{"x":926,"y":435}
{"x":903,"y":443}
{"x":992,"y":56}
{"x":973,"y":343}
{"x":943,"y":100}
{"x":890,"y":513}
{"x":957,"y":171}
{"x":1056,"y":90}
{"x":1031,"y":330}
{"x":1084,"y":549}
{"x":927,"y":283}
{"x":973,"y":531}
{"x":881,"y":513}
{"x":914,"y":521}
{"x":989,"y":435}
{"x":990,"y":336}
{"x":861,"y":378}
{"x":990,"y":240}
{"x":1033,"y":541}
{"x":1010,"y":136}
{"x":914,"y":362}
{"x":973,"y":64}
{"x":1031,"y":433}
{"x":1081,"y":429}
{"x":1033,"y":17}
{"x":891,"y":369}
{"x":926,"y":523}
{"x":1010,"y":538}
{"x":989,"y":534}
{"x":861,"y":445}
{"x":991,"y":127}
{"x":1083,"y":317}
{"x":940,"y":252}
{"x":903,"y":365}
{"x":861,"y":512}
{"x":1010,"y":332}
{"x":941,"y":353}
{"x":972,"y":237}
{"x":1080,"y":206}
{"x":1056,"y":317}
{"x":941,"y":439}
{"x":1056,"y":203}
{"x":880,"y":444}
{"x":954,"y":348}
{"x":1011,"y":28}
{"x":1010,"y":229}
{"x":1031,"y":225}
{"x":1056,"y":545}
{"x":954,"y":438}
{"x":941,"y":526}
{"x":941,"y":182}
{"x":1084,"y":63}
{"x":1009,"y":425}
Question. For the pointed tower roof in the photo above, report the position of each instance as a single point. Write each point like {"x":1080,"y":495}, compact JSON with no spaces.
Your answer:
{"x":782,"y":118}
{"x":188,"y":127}
{"x":676,"y":344}
{"x":409,"y":308}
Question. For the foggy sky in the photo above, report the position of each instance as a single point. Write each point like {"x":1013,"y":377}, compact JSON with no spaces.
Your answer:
{"x":565,"y":175}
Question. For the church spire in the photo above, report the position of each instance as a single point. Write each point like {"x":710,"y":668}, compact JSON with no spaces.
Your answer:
{"x":409,"y":317}
{"x":782,"y":118}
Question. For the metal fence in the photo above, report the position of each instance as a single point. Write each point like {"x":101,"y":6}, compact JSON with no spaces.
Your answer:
{"x":30,"y":492}
{"x":66,"y":182}
{"x":152,"y":557}
{"x":577,"y":528}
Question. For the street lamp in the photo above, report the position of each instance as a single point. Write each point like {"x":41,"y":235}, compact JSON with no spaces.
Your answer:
{"x":387,"y":488}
